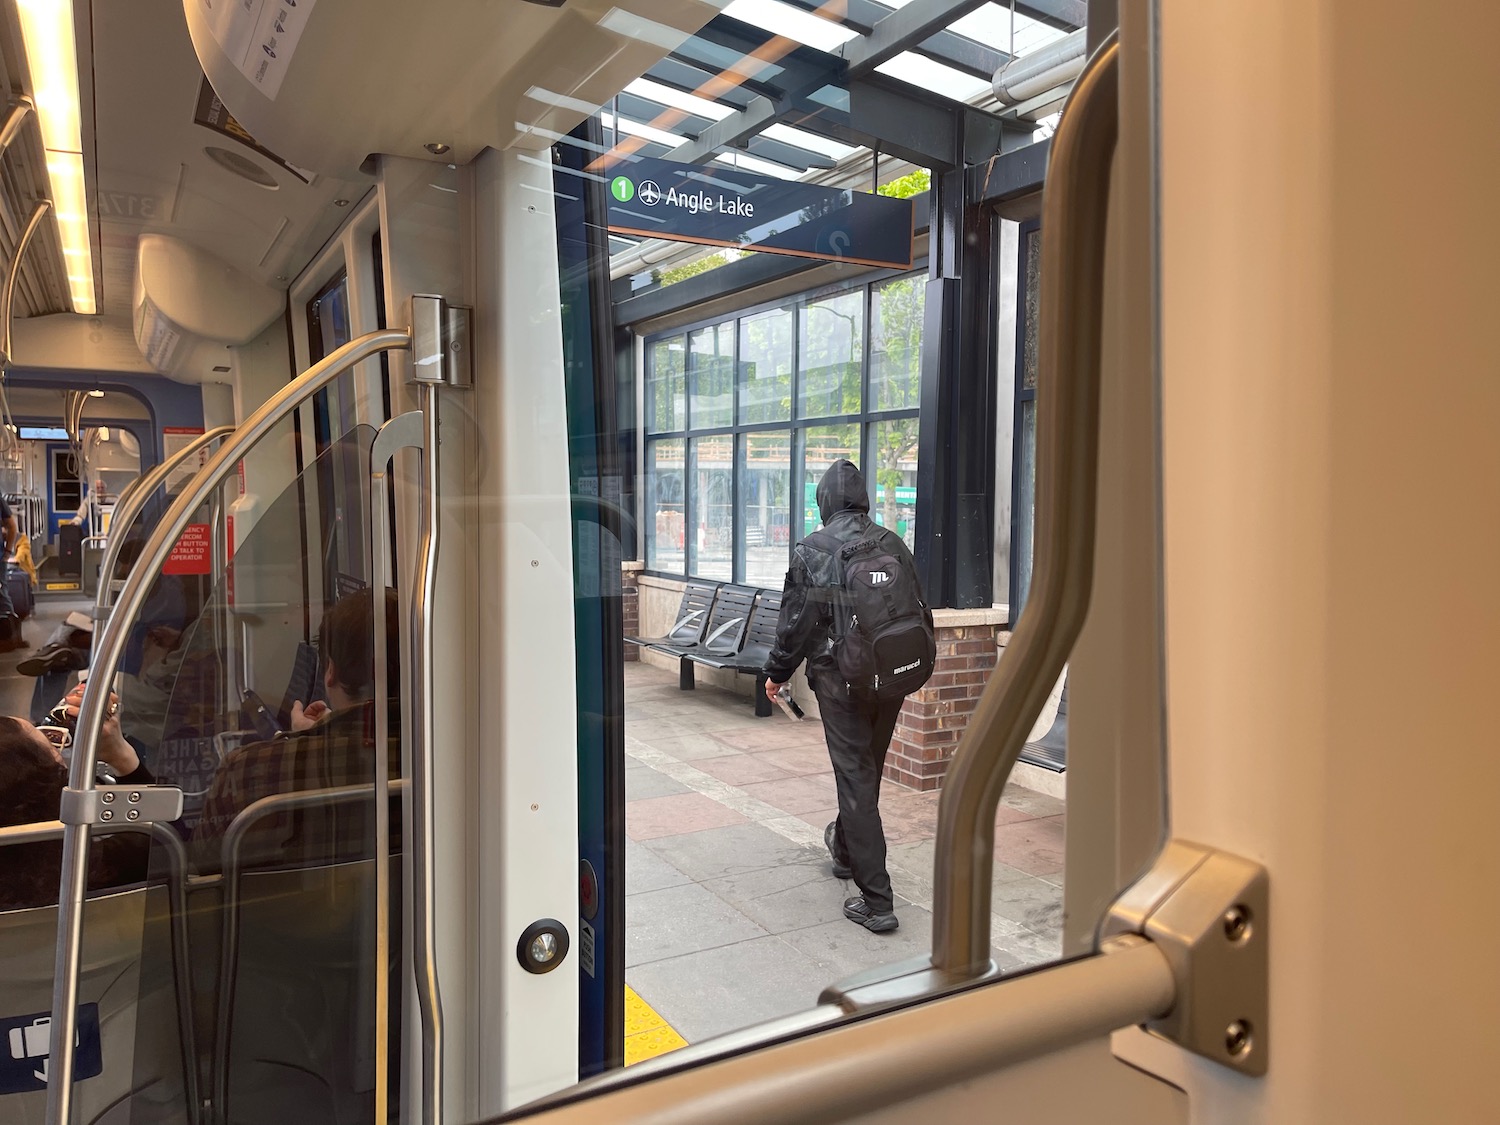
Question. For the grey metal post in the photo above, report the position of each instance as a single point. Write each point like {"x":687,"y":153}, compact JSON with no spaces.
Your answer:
{"x":1074,"y":211}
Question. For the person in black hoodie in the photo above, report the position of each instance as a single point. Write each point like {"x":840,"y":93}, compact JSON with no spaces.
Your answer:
{"x":857,"y":726}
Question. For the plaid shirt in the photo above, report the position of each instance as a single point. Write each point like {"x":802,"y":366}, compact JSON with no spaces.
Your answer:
{"x":338,"y":751}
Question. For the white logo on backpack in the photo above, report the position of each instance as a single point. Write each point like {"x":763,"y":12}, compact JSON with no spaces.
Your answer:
{"x":879,"y":577}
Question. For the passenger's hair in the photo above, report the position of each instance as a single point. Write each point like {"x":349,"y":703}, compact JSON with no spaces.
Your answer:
{"x":346,"y":640}
{"x":31,"y":785}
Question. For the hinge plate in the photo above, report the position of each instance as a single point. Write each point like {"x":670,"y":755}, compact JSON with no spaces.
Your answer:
{"x":1209,"y":914}
{"x":121,"y":804}
{"x":442,"y":344}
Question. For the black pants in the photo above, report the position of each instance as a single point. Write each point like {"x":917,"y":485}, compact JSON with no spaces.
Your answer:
{"x":858,"y":731}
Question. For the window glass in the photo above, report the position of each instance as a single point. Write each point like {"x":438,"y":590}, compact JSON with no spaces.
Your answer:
{"x":894,"y":443}
{"x":766,"y":367}
{"x":711,"y":353}
{"x":765,"y":500}
{"x":665,"y":514}
{"x":666,"y":407}
{"x":1031,"y":314}
{"x":823,"y":446}
{"x":1026,"y":504}
{"x":711,"y":507}
{"x":896,"y":344}
{"x":831,"y":353}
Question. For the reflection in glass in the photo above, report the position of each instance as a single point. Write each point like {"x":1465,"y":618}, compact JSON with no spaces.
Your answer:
{"x":895,"y":450}
{"x":1025,"y":520}
{"x":830,"y":356}
{"x":712,"y":376}
{"x":823,"y":446}
{"x":766,"y":367}
{"x":712,"y":506}
{"x":665,"y":511}
{"x":666,"y":406}
{"x":896,"y":310}
{"x":765,"y":481}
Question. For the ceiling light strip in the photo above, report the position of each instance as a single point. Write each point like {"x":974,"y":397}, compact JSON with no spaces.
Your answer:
{"x":52,"y":58}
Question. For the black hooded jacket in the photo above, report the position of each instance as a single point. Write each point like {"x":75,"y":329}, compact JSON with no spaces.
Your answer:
{"x":804,"y":630}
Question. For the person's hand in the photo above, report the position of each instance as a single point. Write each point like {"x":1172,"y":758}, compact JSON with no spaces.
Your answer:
{"x":773,"y":690}
{"x":114,"y":751}
{"x":311,"y":716}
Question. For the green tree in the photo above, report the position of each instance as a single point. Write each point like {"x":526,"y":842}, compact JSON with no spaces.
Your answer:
{"x":904,"y":187}
{"x":673,"y":274}
{"x":895,"y":379}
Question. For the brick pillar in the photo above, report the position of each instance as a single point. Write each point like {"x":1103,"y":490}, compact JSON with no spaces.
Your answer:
{"x":928,"y":729}
{"x":630,"y":593}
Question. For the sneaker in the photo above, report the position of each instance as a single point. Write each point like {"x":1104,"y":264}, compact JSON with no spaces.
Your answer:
{"x":856,"y":910}
{"x":830,"y":836}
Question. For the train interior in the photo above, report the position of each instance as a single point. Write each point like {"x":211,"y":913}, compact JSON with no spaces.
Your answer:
{"x":408,"y":419}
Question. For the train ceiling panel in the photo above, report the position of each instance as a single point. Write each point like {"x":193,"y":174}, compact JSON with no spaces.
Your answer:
{"x":327,"y":83}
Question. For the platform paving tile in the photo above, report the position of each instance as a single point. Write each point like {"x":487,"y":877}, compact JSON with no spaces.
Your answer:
{"x":840,"y":948}
{"x":647,"y":871}
{"x":727,"y":851}
{"x":793,"y":897}
{"x":1033,"y":846}
{"x":799,"y":761}
{"x":719,"y":990}
{"x":742,"y":769}
{"x":676,"y":815}
{"x":1031,"y":902}
{"x":775,"y":733}
{"x":1031,"y":802}
{"x":677,"y":920}
{"x":796,"y":794}
{"x":643,"y":781}
{"x":684,"y":747}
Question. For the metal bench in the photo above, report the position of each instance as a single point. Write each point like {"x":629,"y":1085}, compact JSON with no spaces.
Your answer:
{"x":692,"y":618}
{"x":723,"y":636}
{"x":750,"y":657}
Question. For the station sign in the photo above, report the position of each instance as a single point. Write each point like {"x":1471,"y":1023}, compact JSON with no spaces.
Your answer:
{"x":726,"y":207}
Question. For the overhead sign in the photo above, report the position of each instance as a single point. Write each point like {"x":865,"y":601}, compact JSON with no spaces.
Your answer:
{"x":211,"y":114}
{"x":725,"y":207}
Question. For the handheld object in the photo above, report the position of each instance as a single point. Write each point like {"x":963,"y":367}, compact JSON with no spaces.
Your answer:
{"x":785,"y":701}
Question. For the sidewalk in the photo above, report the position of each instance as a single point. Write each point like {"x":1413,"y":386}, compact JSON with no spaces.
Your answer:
{"x":733,"y":915}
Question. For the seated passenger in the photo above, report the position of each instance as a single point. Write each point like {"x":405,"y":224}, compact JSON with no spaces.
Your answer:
{"x":32,"y":778}
{"x":330,"y":745}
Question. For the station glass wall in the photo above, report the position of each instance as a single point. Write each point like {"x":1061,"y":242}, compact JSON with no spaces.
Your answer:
{"x":742,"y":417}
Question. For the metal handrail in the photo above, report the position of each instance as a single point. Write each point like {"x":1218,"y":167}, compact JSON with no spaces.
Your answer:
{"x":1074,"y":213}
{"x":110,"y":647}
{"x":8,"y":294}
{"x":229,"y":940}
{"x":132,"y":503}
{"x":17,"y":116}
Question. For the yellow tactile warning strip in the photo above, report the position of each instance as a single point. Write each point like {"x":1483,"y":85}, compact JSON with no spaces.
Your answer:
{"x":646,"y":1033}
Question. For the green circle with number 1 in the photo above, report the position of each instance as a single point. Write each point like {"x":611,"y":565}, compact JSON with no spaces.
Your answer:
{"x":622,"y":189}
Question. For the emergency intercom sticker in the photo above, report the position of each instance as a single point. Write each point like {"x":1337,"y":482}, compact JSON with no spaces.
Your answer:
{"x":25,"y":1047}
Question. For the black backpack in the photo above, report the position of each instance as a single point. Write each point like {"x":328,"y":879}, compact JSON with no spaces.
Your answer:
{"x":882,"y":632}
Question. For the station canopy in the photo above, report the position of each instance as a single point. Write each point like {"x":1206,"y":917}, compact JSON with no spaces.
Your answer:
{"x":770,"y":86}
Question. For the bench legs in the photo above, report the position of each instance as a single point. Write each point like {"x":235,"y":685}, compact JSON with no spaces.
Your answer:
{"x":685,"y":679}
{"x":762,"y":704}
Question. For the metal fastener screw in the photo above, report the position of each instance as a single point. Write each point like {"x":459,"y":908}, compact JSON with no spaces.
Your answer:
{"x":543,"y":948}
{"x":1237,"y":923}
{"x":1237,"y":1039}
{"x":135,"y":796}
{"x":133,"y":814}
{"x":108,"y":798}
{"x":536,"y":562}
{"x":107,"y":814}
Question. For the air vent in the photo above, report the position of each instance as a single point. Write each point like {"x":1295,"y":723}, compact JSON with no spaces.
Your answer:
{"x":243,"y":167}
{"x":221,"y":371}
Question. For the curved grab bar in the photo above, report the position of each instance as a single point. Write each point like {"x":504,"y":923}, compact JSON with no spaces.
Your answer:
{"x":108,"y":650}
{"x":8,"y":294}
{"x":1074,"y":211}
{"x":132,"y":502}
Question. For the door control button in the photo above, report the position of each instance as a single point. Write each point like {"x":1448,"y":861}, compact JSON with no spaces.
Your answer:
{"x":543,"y":946}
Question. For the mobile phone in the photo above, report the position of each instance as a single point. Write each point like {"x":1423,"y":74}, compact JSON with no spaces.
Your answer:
{"x":260,"y":715}
{"x":785,"y":701}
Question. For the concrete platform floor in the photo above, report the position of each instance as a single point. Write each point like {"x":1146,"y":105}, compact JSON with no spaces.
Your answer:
{"x":733,"y":915}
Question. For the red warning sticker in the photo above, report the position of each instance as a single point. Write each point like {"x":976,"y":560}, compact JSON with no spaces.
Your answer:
{"x":192,"y":554}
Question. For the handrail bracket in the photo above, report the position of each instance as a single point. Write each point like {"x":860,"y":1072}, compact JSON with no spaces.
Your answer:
{"x":1209,"y":914}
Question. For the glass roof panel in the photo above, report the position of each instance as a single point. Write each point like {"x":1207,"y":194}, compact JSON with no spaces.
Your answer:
{"x":638,"y":129}
{"x":991,"y":26}
{"x":751,"y":164}
{"x":794,"y":23}
{"x":921,"y":71}
{"x":810,"y":141}
{"x":677,"y":99}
